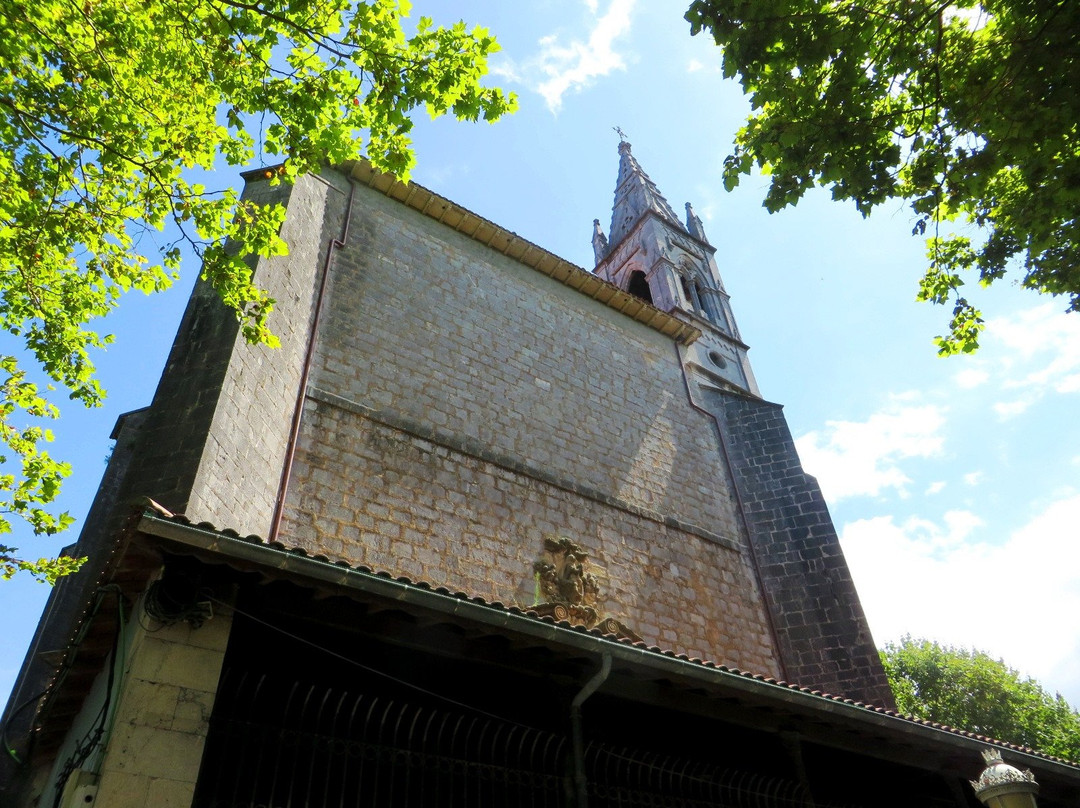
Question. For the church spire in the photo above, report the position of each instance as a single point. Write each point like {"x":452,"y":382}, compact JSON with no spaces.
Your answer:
{"x":635,"y":196}
{"x":651,"y":254}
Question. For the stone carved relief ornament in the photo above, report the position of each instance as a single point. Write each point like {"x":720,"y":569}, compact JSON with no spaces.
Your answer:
{"x":567,"y":589}
{"x":686,"y":246}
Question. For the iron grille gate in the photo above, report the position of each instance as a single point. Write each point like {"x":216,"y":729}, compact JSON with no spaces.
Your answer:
{"x":277,"y":744}
{"x":327,"y":748}
{"x":633,"y":778}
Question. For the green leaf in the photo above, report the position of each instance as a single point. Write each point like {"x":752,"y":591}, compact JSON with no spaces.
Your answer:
{"x":103,"y":108}
{"x":969,"y":690}
{"x":879,"y":100}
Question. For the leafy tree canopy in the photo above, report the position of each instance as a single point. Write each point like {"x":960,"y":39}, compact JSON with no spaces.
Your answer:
{"x":966,"y":109}
{"x":970,"y":690}
{"x":104,"y":107}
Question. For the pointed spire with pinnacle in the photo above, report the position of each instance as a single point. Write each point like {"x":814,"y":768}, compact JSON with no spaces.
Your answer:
{"x":599,"y":241}
{"x":693,"y":224}
{"x":651,"y":254}
{"x":635,"y":196}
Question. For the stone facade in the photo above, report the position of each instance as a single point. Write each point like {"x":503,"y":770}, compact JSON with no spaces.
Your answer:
{"x":464,"y":406}
{"x":462,"y":399}
{"x":162,"y":716}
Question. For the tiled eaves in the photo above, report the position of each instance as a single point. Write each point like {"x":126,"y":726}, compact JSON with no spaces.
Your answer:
{"x":320,"y":569}
{"x":521,"y":250}
{"x":90,"y":641}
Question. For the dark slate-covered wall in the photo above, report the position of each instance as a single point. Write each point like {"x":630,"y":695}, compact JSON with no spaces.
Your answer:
{"x":824,"y":639}
{"x":213,"y":441}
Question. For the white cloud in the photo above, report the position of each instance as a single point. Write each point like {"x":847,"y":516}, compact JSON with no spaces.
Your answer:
{"x":969,"y":378}
{"x":561,"y":67}
{"x":852,"y":458}
{"x":1010,"y":409}
{"x":973,"y":477}
{"x":935,"y":487}
{"x":1068,"y":384}
{"x":1038,"y":352}
{"x":950,"y":582}
{"x":504,"y":69}
{"x":698,"y":66}
{"x":905,"y":397}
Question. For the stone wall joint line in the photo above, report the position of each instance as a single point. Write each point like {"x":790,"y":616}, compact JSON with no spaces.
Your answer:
{"x":478,"y":451}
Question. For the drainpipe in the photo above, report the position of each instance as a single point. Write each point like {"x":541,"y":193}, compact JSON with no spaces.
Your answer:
{"x":305,"y":372}
{"x":580,"y":783}
{"x":770,"y":618}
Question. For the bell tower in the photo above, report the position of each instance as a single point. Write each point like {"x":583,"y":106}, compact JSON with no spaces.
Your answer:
{"x":650,"y":253}
{"x":814,"y":612}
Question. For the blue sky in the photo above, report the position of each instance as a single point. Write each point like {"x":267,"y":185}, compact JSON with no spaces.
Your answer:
{"x":955,"y":484}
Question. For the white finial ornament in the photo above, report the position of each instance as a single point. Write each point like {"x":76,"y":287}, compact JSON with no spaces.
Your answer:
{"x":1003,"y":786}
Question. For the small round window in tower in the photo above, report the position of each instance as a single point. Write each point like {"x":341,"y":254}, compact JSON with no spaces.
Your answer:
{"x":717,"y":359}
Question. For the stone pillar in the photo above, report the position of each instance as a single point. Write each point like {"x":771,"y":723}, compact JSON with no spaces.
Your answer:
{"x":163,"y":715}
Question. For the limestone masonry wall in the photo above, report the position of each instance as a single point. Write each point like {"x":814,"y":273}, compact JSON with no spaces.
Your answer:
{"x":241,"y":464}
{"x":163,"y":715}
{"x":464,"y":406}
{"x":214,"y":441}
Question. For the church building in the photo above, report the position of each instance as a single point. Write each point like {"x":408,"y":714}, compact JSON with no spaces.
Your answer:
{"x":489,"y":529}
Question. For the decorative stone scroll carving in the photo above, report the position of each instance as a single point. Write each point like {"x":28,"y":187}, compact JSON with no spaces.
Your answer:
{"x":566,"y":589}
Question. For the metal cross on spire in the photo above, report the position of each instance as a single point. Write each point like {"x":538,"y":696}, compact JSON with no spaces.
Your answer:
{"x":622,"y":134}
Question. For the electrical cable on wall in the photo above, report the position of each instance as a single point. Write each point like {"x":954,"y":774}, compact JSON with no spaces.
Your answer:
{"x":102,"y":726}
{"x":9,"y":749}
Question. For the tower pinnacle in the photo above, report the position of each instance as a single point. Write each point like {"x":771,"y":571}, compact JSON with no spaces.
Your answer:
{"x":693,"y":224}
{"x":599,"y":241}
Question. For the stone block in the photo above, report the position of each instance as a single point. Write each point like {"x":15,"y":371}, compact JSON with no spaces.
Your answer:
{"x":192,"y":711}
{"x":151,"y":704}
{"x":165,"y":793}
{"x":154,"y":752}
{"x":177,"y":664}
{"x":120,"y":789}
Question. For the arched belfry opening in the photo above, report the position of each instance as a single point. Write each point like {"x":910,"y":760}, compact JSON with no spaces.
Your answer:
{"x":638,"y":286}
{"x":705,"y":302}
{"x":687,"y":294}
{"x":694,"y":292}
